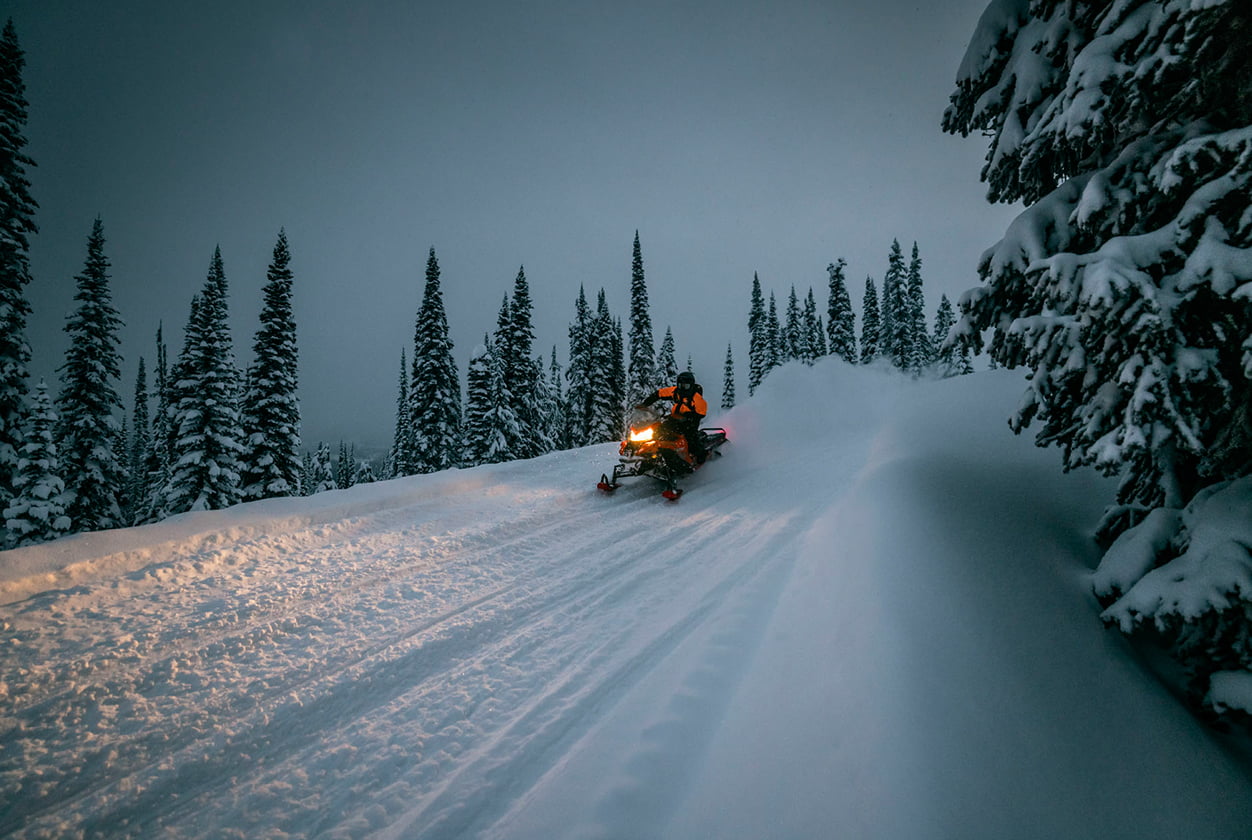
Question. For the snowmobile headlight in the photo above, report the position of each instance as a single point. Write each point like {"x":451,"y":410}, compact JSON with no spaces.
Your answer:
{"x":641,"y":435}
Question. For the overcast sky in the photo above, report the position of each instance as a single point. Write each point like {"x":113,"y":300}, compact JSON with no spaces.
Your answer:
{"x":771,"y":137}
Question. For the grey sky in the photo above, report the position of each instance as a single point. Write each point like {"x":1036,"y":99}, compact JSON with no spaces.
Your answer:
{"x":769,"y":137}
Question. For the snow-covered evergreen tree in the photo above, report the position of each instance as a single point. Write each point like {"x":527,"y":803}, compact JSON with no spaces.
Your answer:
{"x":814,"y":334}
{"x":307,"y":470}
{"x":323,"y":478}
{"x":140,"y":452}
{"x":758,"y":338}
{"x":271,"y":410}
{"x":897,"y":310}
{"x":559,"y":421}
{"x":400,"y":457}
{"x":17,"y":224}
{"x":519,"y":371}
{"x":36,"y":513}
{"x":728,"y":381}
{"x":793,"y":340}
{"x":666,"y":363}
{"x":160,"y":440}
{"x":578,"y":396}
{"x":946,"y":352}
{"x":774,"y":337}
{"x":608,"y":375}
{"x":1125,"y":286}
{"x":435,"y":389}
{"x":366,"y":474}
{"x":921,"y":351}
{"x":641,"y":370}
{"x":548,"y":419}
{"x":840,"y":318}
{"x":89,"y":406}
{"x":870,"y":323}
{"x":490,"y":423}
{"x":208,"y":435}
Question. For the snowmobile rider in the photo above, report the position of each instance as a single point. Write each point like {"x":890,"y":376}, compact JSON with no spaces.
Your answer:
{"x":689,"y":409}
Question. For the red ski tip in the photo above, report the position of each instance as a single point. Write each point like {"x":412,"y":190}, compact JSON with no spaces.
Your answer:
{"x":672,"y":495}
{"x":607,"y":488}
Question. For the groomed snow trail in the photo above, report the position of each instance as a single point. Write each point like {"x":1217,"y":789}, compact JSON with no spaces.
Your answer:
{"x":411,"y":667}
{"x":870,"y":619}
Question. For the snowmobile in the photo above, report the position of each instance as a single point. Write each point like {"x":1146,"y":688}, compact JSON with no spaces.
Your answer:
{"x":656,"y":449}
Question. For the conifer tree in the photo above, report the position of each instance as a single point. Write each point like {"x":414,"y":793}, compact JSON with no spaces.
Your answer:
{"x":578,"y":397}
{"x":897,"y":310}
{"x":728,"y":381}
{"x":814,"y":335}
{"x":775,"y":338}
{"x":36,"y":513}
{"x":792,"y":340}
{"x":435,"y":389}
{"x":307,"y":471}
{"x":641,"y":371}
{"x":870,"y":323}
{"x":323,"y":470}
{"x":840,"y":319}
{"x":89,"y":404}
{"x":666,"y":363}
{"x":160,"y":441}
{"x":559,"y":422}
{"x":1125,"y":286}
{"x":548,"y":410}
{"x":945,"y":351}
{"x":271,"y":410}
{"x":921,"y":351}
{"x":401,"y":455}
{"x":606,"y":395}
{"x":758,"y":338}
{"x":519,"y":371}
{"x":208,"y":435}
{"x":140,"y":454}
{"x":490,"y":424}
{"x":17,"y":224}
{"x":366,"y":474}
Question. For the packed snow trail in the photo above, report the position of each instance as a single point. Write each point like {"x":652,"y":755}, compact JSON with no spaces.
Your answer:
{"x":822,"y":638}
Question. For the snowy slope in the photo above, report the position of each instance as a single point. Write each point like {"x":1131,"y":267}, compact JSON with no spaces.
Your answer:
{"x":871,"y":619}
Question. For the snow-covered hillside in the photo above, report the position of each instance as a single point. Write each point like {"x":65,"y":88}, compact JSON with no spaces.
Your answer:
{"x":871,"y":619}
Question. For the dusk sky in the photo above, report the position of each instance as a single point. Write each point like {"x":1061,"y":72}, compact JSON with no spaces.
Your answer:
{"x":769,"y":137}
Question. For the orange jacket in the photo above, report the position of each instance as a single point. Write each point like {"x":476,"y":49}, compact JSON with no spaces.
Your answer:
{"x":684,"y":407}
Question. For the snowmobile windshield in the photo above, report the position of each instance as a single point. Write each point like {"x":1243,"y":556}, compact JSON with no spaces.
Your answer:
{"x":641,"y":417}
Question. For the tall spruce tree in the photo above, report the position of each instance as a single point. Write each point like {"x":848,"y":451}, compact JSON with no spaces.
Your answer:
{"x":641,"y":370}
{"x":758,"y":338}
{"x":666,"y":361}
{"x":608,"y":365}
{"x":17,"y":224}
{"x":208,"y":436}
{"x":161,"y":438}
{"x":271,"y":410}
{"x":921,"y":350}
{"x":400,"y":459}
{"x":490,"y":423}
{"x":435,"y":390}
{"x":140,"y":454}
{"x":815,"y":335}
{"x":36,"y":513}
{"x":870,"y":323}
{"x":775,"y":338}
{"x":897,"y":310}
{"x":1125,"y":286}
{"x":578,"y":396}
{"x":793,"y":340}
{"x":945,"y":351}
{"x":728,"y":381}
{"x":89,"y":404}
{"x":559,"y":422}
{"x":840,"y":319}
{"x":519,"y":371}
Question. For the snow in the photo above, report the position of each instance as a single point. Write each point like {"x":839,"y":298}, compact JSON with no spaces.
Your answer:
{"x":872,"y":618}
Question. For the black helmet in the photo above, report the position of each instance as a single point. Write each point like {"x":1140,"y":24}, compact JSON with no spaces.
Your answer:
{"x":686,"y":378}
